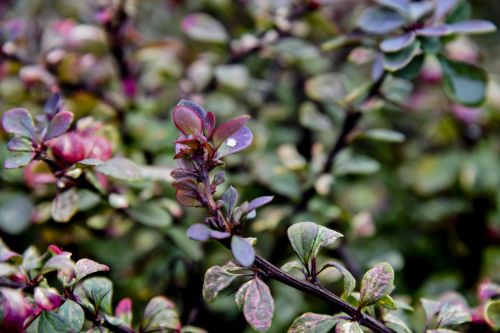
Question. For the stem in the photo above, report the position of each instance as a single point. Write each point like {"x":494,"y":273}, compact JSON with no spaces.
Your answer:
{"x":321,"y":293}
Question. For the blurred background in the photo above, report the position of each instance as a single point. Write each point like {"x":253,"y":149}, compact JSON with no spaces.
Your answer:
{"x":422,"y":195}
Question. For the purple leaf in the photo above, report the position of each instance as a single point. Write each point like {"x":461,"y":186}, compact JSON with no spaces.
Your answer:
{"x":473,"y":27}
{"x":441,"y":30}
{"x":59,"y":124}
{"x":242,"y":251}
{"x":420,"y":9}
{"x":47,"y":299}
{"x":259,"y":202}
{"x":193,"y":106}
{"x":312,"y":322}
{"x":401,"y":6}
{"x":19,"y":122}
{"x":397,"y":43}
{"x":236,"y":142}
{"x":227,"y":129}
{"x":209,"y":124}
{"x":443,"y":7}
{"x":378,"y":67}
{"x":199,"y":232}
{"x":258,"y":305}
{"x":230,"y":199}
{"x":18,"y":143}
{"x":18,"y":159}
{"x":53,"y":105}
{"x":15,"y":309}
{"x":187,"y":120}
{"x":187,"y":198}
{"x":219,"y":234}
{"x":86,"y":267}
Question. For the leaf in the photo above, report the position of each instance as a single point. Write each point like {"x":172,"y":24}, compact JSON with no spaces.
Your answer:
{"x":443,"y":7}
{"x":119,"y":324}
{"x":238,"y":141}
{"x":198,"y":232}
{"x":492,"y":313}
{"x":401,"y":6}
{"x":312,"y":323}
{"x":230,"y":198}
{"x":160,"y":313}
{"x":123,"y":310}
{"x":73,"y":315}
{"x":151,"y":214}
{"x":19,"y":122}
{"x":47,"y":299}
{"x":346,"y":326}
{"x":396,"y":324}
{"x":194,"y":107}
{"x":58,"y":125}
{"x":464,"y":83}
{"x":453,"y":314}
{"x":227,"y":129}
{"x":258,"y":305}
{"x":420,"y":9}
{"x":120,"y":168}
{"x":18,"y":159}
{"x":203,"y":27}
{"x":51,"y":322}
{"x":65,"y":205}
{"x":386,"y":135}
{"x":7,"y":255}
{"x":234,"y":76}
{"x":307,"y":238}
{"x":216,"y":279}
{"x":86,"y":267}
{"x":21,"y":144}
{"x":473,"y":27}
{"x":95,"y":293}
{"x":376,"y":283}
{"x":398,"y":43}
{"x":259,"y":202}
{"x":187,"y":120}
{"x":294,"y":264}
{"x":399,"y":60}
{"x":431,"y":308}
{"x":388,"y":303}
{"x":53,"y":105}
{"x":437,"y":31}
{"x":15,"y":213}
{"x":242,"y":251}
{"x":380,"y":20}
{"x":349,"y":280}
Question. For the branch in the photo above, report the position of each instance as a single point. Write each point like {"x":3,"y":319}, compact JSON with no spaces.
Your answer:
{"x":321,"y":293}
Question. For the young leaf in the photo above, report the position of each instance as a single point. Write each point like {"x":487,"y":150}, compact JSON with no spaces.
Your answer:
{"x":230,"y":198}
{"x":19,"y":122}
{"x":398,"y":43}
{"x":65,"y":205}
{"x":242,"y":251}
{"x":53,"y":105}
{"x":199,"y":232}
{"x":380,"y":20}
{"x":160,"y":314}
{"x":47,"y":299}
{"x":349,"y":280}
{"x":376,"y":283}
{"x":120,"y":168}
{"x":312,"y":323}
{"x":307,"y":238}
{"x":123,"y":310}
{"x":18,"y":159}
{"x":187,"y":120}
{"x":205,"y":28}
{"x":216,"y":280}
{"x":194,"y":107}
{"x":464,"y":83}
{"x":58,"y":125}
{"x":258,"y":305}
{"x":227,"y":129}
{"x":492,"y":313}
{"x":86,"y":267}
{"x":238,"y":141}
{"x":388,"y":303}
{"x":259,"y":202}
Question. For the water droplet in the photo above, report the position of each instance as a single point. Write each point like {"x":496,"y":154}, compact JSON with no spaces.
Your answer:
{"x":231,"y":142}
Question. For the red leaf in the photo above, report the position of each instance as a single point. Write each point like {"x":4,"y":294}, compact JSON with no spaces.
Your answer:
{"x":228,"y":128}
{"x":187,"y":120}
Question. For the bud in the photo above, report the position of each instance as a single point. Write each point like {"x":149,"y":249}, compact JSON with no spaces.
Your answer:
{"x":68,"y":148}
{"x":47,"y":298}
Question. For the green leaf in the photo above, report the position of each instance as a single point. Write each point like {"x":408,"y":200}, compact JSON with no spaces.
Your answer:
{"x":233,"y":76}
{"x":15,"y":213}
{"x":242,"y":251}
{"x":73,"y":315}
{"x":376,"y":283}
{"x":203,"y":27}
{"x":51,"y":322}
{"x":120,"y":168}
{"x":312,"y":323}
{"x":431,"y":308}
{"x":160,"y":313}
{"x":349,"y":280}
{"x":151,"y":214}
{"x":346,"y":326}
{"x":453,"y":314}
{"x":307,"y":239}
{"x":388,"y":303}
{"x":395,"y":323}
{"x":463,"y":82}
{"x":258,"y":305}
{"x":239,"y":297}
{"x":492,"y":313}
{"x":65,"y":205}
{"x":380,"y":20}
{"x":291,"y":265}
{"x":216,"y":279}
{"x":95,"y":293}
{"x":86,"y":267}
{"x":381,"y":134}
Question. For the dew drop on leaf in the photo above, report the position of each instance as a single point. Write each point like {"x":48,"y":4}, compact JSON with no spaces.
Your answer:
{"x":231,"y":142}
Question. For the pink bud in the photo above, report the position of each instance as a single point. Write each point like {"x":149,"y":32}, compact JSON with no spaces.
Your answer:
{"x":124,"y":307}
{"x":68,"y":148}
{"x":54,"y":249}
